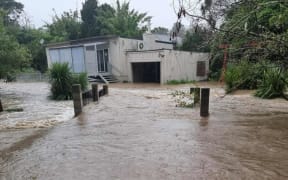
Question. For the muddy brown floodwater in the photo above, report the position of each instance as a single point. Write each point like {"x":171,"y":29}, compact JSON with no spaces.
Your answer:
{"x":137,"y":133}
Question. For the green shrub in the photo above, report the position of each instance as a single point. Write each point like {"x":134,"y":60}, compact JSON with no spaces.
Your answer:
{"x":10,"y":77}
{"x":81,"y":79}
{"x":60,"y":79}
{"x":243,"y":75}
{"x":274,"y":84}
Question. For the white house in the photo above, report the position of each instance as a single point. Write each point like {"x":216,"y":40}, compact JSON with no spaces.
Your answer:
{"x":149,"y":60}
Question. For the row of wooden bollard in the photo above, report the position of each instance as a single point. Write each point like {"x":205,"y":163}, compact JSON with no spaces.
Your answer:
{"x":202,"y":95}
{"x":77,"y":96}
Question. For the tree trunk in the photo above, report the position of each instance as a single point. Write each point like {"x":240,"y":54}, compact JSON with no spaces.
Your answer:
{"x":1,"y":107}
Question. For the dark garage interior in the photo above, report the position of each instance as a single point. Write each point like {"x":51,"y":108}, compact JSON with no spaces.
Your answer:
{"x":148,"y":72}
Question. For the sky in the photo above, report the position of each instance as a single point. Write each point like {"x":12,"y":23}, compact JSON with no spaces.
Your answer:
{"x":41,"y":11}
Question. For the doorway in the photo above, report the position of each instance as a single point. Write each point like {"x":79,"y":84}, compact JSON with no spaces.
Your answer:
{"x":146,"y":72}
{"x":102,"y":60}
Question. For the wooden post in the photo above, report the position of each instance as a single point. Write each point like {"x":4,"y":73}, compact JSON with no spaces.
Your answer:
{"x":196,"y":92}
{"x":192,"y":90}
{"x":95,"y":93}
{"x":77,"y":99}
{"x":204,"y":107}
{"x":105,"y":89}
{"x":1,"y":107}
{"x":196,"y":95}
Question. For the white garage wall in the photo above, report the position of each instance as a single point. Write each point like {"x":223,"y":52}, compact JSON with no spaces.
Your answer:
{"x":179,"y":65}
{"x":175,"y":65}
{"x":118,"y":59}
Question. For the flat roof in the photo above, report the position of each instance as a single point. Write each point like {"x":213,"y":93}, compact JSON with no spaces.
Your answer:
{"x":81,"y":41}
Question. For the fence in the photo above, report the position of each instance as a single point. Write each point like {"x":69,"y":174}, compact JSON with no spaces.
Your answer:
{"x":32,"y":77}
{"x":81,"y":99}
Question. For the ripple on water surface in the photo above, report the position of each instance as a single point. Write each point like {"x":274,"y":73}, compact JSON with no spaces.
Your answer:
{"x":36,"y":110}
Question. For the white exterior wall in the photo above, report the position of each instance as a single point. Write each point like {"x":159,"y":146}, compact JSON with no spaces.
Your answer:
{"x":118,"y":60}
{"x":179,"y":65}
{"x":175,"y":65}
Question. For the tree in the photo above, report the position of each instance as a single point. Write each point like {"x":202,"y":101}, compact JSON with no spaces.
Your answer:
{"x":65,"y":27}
{"x":13,"y":56}
{"x":256,"y":32}
{"x":104,"y":20}
{"x":33,"y":40}
{"x":196,"y":39}
{"x":256,"y":29}
{"x":129,"y":23}
{"x":88,"y":14}
{"x":105,"y":17}
{"x":12,"y":10}
{"x":178,"y":30}
{"x":97,"y":20}
{"x":160,"y":30}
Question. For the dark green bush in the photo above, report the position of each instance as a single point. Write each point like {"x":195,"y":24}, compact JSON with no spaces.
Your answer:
{"x":243,"y":75}
{"x":60,"y":79}
{"x":10,"y":77}
{"x":81,"y":79}
{"x":274,"y":84}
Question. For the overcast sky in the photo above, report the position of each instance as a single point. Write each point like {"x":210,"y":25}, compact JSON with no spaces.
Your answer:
{"x":40,"y":11}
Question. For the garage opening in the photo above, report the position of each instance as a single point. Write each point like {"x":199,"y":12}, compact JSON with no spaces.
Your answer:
{"x":148,"y":72}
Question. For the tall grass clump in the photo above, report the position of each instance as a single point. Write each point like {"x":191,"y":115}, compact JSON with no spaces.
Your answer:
{"x":274,"y":84}
{"x":60,"y":78}
{"x":81,"y":79}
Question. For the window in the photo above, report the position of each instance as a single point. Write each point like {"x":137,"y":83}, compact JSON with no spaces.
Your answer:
{"x":201,"y":68}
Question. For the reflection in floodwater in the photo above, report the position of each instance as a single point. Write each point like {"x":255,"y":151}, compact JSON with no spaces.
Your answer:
{"x":129,"y":136}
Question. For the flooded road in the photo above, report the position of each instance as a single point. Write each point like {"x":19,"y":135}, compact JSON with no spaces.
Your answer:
{"x":137,"y":132}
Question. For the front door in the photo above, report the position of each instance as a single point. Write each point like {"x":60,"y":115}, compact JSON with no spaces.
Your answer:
{"x":102,"y":59}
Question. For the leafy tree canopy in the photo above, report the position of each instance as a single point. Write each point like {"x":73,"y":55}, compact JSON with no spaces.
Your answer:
{"x":104,"y":19}
{"x":65,"y":27}
{"x":254,"y":29}
{"x":13,"y":56}
{"x":12,"y":10}
{"x":196,"y":39}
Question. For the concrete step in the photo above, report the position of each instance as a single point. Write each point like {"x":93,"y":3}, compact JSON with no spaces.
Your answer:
{"x":108,"y":78}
